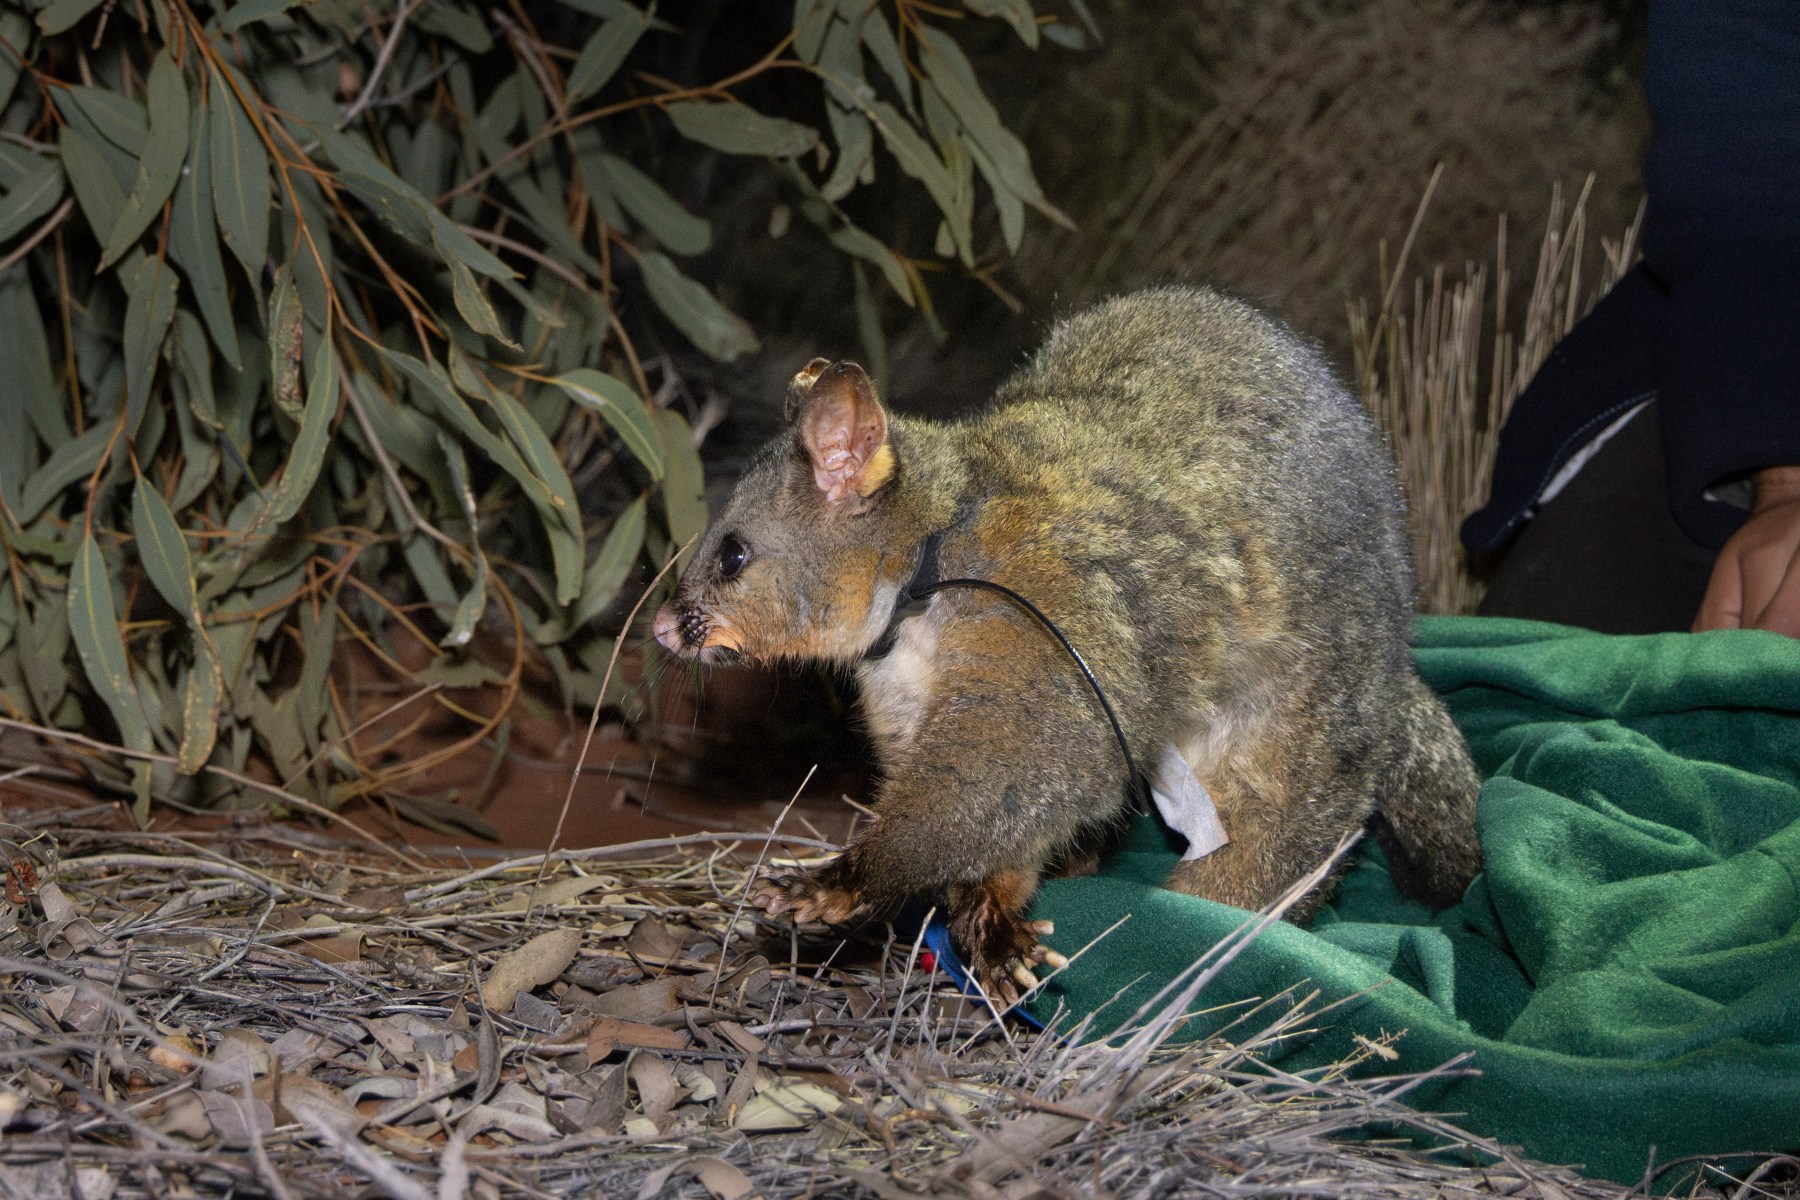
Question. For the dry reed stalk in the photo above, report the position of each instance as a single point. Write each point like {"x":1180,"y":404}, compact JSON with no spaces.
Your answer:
{"x":1442,"y":384}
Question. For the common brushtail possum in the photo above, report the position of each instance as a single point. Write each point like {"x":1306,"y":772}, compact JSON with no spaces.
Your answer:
{"x":1180,"y":484}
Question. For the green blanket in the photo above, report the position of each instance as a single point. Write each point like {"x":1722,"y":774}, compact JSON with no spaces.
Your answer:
{"x":1626,"y":974}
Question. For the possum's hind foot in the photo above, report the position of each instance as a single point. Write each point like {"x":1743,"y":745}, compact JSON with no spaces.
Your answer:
{"x":809,"y":895}
{"x":988,"y":924}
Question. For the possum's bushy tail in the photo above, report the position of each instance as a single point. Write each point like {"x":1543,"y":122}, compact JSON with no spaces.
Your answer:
{"x":1426,"y":804}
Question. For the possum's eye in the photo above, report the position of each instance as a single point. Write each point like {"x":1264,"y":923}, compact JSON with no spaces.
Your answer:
{"x":732,"y":556}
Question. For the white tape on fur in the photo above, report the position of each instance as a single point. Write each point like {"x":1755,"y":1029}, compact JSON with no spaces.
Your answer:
{"x":1185,"y":804}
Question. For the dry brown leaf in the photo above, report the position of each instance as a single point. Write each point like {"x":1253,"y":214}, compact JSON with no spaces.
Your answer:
{"x":655,"y":942}
{"x":723,"y":1180}
{"x":537,"y":962}
{"x":740,"y":1037}
{"x":237,"y":1120}
{"x":238,"y":1057}
{"x":554,"y":893}
{"x":331,"y":948}
{"x":309,"y":1101}
{"x":609,"y":1033}
{"x":657,"y":1088}
{"x":639,"y":1001}
{"x":185,"y":1116}
{"x":787,"y":1105}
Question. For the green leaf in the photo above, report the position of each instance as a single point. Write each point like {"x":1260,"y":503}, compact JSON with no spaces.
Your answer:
{"x":855,"y":139}
{"x":474,"y":306}
{"x":453,"y":408}
{"x":620,"y":407}
{"x":69,"y":462}
{"x":606,"y":575}
{"x":15,"y":40}
{"x":111,"y":116}
{"x":717,"y":331}
{"x":453,"y":242}
{"x":403,"y":211}
{"x":240,"y":179}
{"x":251,"y":11}
{"x":684,"y":484}
{"x":918,"y":160}
{"x":566,"y":543}
{"x":474,"y":602}
{"x":308,"y":452}
{"x":43,"y":641}
{"x":162,"y":549}
{"x":848,"y":238}
{"x":62,"y":15}
{"x":878,"y":37}
{"x":605,"y":52}
{"x":811,"y":19}
{"x":458,"y":23}
{"x":159,"y":167}
{"x":1002,"y":157}
{"x":680,"y":231}
{"x":31,"y":197}
{"x":1016,"y":13}
{"x":94,"y":624}
{"x":96,"y":189}
{"x":202,"y":698}
{"x":24,"y":347}
{"x":194,"y":244}
{"x":738,"y":129}
{"x":149,"y":307}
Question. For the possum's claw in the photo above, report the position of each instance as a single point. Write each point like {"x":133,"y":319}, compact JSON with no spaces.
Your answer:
{"x":810,"y":895}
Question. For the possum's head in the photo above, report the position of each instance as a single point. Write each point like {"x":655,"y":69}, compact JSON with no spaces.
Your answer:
{"x":810,"y":552}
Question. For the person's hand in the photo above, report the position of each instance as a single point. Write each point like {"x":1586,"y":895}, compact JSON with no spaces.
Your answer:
{"x":1755,"y":582}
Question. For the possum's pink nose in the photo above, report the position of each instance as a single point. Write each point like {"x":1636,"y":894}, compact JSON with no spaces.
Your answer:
{"x":667,"y":628}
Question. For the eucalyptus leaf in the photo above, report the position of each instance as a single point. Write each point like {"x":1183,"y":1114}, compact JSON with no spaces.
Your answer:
{"x":24,"y":347}
{"x":149,"y":308}
{"x":811,"y":20}
{"x":159,"y":167}
{"x":240,"y":178}
{"x":605,"y":577}
{"x":248,"y":12}
{"x":474,"y":306}
{"x":739,"y":129}
{"x":162,"y":549}
{"x":94,"y":625}
{"x":1016,"y":13}
{"x":73,"y":460}
{"x":31,"y":197}
{"x":879,"y":40}
{"x":97,"y":190}
{"x":112,"y":116}
{"x":1008,"y":163}
{"x":603,"y":54}
{"x":194,"y":243}
{"x":714,"y":329}
{"x":684,"y":484}
{"x":919,"y":160}
{"x":15,"y":40}
{"x":308,"y":452}
{"x":620,"y":407}
{"x":63,"y":14}
{"x":202,"y":699}
{"x":679,"y":230}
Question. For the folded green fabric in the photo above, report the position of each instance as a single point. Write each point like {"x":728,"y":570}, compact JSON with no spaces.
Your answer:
{"x":1625,"y":974}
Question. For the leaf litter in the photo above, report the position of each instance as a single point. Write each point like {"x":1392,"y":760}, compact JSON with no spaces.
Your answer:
{"x":256,"y":1011}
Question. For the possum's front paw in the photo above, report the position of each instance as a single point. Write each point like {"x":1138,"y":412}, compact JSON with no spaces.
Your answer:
{"x":810,"y":895}
{"x":1001,"y":946}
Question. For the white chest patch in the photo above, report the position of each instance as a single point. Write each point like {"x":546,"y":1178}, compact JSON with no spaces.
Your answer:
{"x":896,"y":687}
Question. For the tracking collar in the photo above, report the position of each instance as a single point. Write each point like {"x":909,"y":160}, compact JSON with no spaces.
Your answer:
{"x":913,"y":596}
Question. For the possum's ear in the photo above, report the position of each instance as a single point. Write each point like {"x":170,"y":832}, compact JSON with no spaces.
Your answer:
{"x":844,"y":429}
